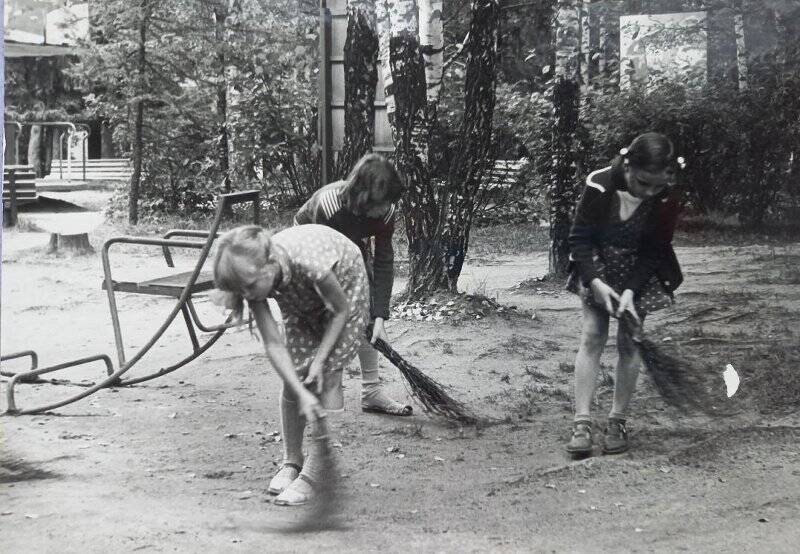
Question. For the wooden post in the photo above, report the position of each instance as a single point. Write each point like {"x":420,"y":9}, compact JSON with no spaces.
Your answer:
{"x":325,"y":124}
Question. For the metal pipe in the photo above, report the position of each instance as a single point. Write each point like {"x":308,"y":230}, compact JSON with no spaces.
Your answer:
{"x":225,"y":201}
{"x":22,"y":354}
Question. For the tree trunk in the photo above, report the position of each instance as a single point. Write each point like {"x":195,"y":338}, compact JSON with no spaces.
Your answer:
{"x":35,"y":149}
{"x":586,"y":48}
{"x":360,"y":78}
{"x":138,"y":139}
{"x":566,"y":101}
{"x":220,"y":15}
{"x":106,"y":140}
{"x":473,"y":159}
{"x":741,"y":48}
{"x":77,"y":245}
{"x":406,"y":107}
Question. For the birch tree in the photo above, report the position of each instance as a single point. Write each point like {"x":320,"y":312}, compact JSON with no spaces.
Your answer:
{"x":566,"y":98}
{"x":741,"y":48}
{"x":360,"y":78}
{"x":473,"y":159}
{"x":407,"y":107}
{"x":437,"y":218}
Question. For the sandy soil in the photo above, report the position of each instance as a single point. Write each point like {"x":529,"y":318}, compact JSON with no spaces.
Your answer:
{"x":182,"y":463}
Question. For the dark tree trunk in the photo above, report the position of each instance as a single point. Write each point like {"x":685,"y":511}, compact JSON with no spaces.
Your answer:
{"x":138,"y":125}
{"x":565,"y":144}
{"x":562,"y":188}
{"x":220,"y":15}
{"x":473,"y":158}
{"x":360,"y":78}
{"x":410,"y":130}
{"x":106,"y":141}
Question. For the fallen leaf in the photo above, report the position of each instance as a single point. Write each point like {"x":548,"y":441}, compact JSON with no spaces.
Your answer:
{"x":374,"y":485}
{"x":549,"y":486}
{"x":438,"y":458}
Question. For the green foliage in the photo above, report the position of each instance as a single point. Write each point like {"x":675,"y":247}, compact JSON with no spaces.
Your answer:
{"x":740,"y":146}
{"x":258,"y":55}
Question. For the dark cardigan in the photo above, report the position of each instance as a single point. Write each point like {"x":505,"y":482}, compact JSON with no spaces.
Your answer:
{"x":325,"y":208}
{"x":655,"y":256}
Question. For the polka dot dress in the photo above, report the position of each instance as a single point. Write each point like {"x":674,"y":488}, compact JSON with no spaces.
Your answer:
{"x":617,"y":258}
{"x":306,"y":253}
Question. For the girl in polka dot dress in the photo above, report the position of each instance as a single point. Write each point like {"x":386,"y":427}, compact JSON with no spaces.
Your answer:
{"x":621,"y":261}
{"x":318,"y":278}
{"x":362,"y":207}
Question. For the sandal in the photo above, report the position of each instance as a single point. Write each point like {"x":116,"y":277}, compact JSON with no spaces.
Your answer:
{"x":581,"y":442}
{"x":285,"y":476}
{"x":299,"y":492}
{"x":376,"y":401}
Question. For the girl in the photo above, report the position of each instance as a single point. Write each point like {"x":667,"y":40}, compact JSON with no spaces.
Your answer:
{"x":621,"y":261}
{"x":362,"y":208}
{"x":318,"y":278}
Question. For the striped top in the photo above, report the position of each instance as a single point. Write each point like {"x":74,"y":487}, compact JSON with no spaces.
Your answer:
{"x":325,"y":207}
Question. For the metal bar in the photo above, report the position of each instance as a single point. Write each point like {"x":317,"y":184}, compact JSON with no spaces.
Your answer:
{"x":211,"y":328}
{"x":60,"y":155}
{"x":85,"y":153}
{"x":164,"y":371}
{"x":112,"y":301}
{"x":190,"y":328}
{"x":181,"y":233}
{"x":325,"y":123}
{"x":70,"y":132}
{"x":22,"y":354}
{"x":114,"y":378}
{"x":11,"y":406}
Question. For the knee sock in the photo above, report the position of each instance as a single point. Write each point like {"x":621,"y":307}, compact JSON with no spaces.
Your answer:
{"x":368,"y":358}
{"x":292,"y":424}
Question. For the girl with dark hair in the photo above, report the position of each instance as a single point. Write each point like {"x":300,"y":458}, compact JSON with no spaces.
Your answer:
{"x":621,"y":260}
{"x":362,"y":207}
{"x":319,"y":281}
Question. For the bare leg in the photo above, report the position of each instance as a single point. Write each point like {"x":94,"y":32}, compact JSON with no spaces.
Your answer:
{"x":587,"y":363}
{"x":292,"y":426}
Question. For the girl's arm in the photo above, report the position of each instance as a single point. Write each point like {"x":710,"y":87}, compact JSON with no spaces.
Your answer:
{"x":587,"y":227}
{"x":383,"y":273}
{"x":335,"y":301}
{"x":281,"y":361}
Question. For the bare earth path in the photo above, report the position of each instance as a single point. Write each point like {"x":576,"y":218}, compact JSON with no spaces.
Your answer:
{"x":182,"y":463}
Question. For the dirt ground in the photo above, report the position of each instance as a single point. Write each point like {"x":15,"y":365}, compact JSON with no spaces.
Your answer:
{"x":182,"y":463}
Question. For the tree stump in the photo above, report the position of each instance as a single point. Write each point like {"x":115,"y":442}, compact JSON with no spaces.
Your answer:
{"x":77,"y":245}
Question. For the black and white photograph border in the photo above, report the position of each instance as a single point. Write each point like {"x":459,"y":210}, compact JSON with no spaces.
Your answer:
{"x":384,"y":275}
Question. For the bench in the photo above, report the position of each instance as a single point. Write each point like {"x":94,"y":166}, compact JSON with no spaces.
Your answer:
{"x":19,"y":188}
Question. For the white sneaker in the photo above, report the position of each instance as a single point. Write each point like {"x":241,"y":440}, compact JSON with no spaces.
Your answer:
{"x":286,"y":474}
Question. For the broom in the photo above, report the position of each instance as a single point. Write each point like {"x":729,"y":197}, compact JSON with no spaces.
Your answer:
{"x":427,"y":391}
{"x":677,"y":380}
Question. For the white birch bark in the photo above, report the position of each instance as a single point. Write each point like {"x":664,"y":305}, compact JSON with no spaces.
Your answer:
{"x":741,"y":48}
{"x":384,"y":36}
{"x":432,"y":42}
{"x":586,"y":48}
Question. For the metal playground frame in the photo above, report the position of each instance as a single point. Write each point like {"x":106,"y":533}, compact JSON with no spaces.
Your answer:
{"x":181,"y":286}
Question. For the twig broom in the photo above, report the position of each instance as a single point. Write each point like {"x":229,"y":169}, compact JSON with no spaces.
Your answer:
{"x":677,"y":380}
{"x":427,"y":391}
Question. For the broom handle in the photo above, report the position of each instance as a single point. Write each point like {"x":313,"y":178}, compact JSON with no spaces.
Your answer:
{"x":630,"y":321}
